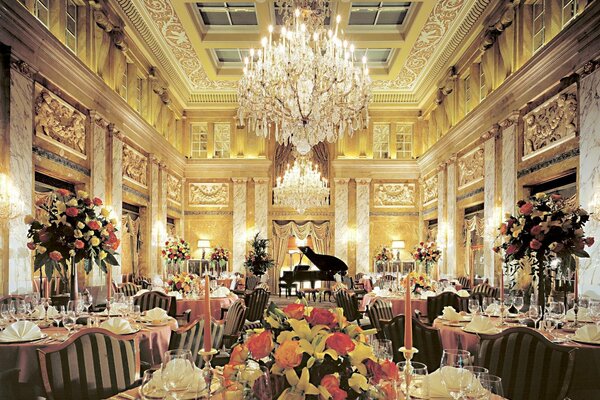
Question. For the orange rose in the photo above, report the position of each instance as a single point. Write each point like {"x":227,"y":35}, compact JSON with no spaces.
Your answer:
{"x":321,"y":316}
{"x":260,"y":345}
{"x":340,"y":342}
{"x":332,"y":384}
{"x":390,"y":369}
{"x":288,"y":354}
{"x":295,"y":311}
{"x":388,"y":389}
{"x":229,"y":372}
{"x":239,"y":354}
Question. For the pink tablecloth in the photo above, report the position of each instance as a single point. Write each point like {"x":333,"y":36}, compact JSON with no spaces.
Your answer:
{"x":397,"y":304}
{"x":197,"y":306}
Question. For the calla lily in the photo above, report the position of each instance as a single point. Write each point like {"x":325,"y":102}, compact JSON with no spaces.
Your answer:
{"x":303,"y":383}
{"x":360,"y":353}
{"x":358,"y":383}
{"x":273,"y":322}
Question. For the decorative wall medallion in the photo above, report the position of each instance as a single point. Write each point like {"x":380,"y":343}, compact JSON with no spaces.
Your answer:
{"x":430,"y":189}
{"x":470,"y":168}
{"x":394,"y":195}
{"x":135,"y":165}
{"x":550,"y":124}
{"x":59,"y":122}
{"x":209,"y":194}
{"x":174,"y":188}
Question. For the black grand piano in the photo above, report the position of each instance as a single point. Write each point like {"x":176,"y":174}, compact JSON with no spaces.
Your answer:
{"x":328,"y":267}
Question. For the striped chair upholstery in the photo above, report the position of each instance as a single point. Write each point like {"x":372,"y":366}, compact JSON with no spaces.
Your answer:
{"x":379,"y":310}
{"x":464,"y":282}
{"x":487,"y":290}
{"x":10,"y":298}
{"x":425,"y":338}
{"x":263,"y":285}
{"x":436,"y":304}
{"x":92,"y":364}
{"x":149,"y":300}
{"x":191,"y":337}
{"x":129,"y":289}
{"x":256,"y":303}
{"x":236,"y":316}
{"x":348,"y":302}
{"x":251,"y":282}
{"x":531,"y":367}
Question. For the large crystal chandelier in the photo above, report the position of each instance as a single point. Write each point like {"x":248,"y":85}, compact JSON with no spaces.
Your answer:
{"x":307,"y":86}
{"x":301,"y":187}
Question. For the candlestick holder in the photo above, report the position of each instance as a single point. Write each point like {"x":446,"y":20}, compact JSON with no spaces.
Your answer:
{"x":207,"y":370}
{"x":575,"y":324}
{"x":408,"y":370}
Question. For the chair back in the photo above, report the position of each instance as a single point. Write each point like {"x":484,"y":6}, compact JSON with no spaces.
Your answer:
{"x":191,"y":337}
{"x":262,"y":285}
{"x":236,"y":316}
{"x":251,"y":282}
{"x":10,"y":298}
{"x":425,"y":338}
{"x":92,"y":364}
{"x":531,"y":367}
{"x":129,"y":289}
{"x":487,"y":290}
{"x":349,"y":303}
{"x":377,"y":311}
{"x":359,"y":276}
{"x":149,"y":300}
{"x":464,"y":282}
{"x":436,"y":304}
{"x":256,"y":303}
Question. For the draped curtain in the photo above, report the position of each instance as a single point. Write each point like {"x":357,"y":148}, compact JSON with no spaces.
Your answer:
{"x":281,"y":233}
{"x":474,"y":225}
{"x":130,"y":240}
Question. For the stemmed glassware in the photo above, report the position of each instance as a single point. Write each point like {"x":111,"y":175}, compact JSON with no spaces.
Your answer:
{"x":474,"y":388}
{"x":454,"y":377}
{"x":382,"y":349}
{"x":60,"y":311}
{"x":535,"y":314}
{"x":518,"y":302}
{"x":151,"y":389}
{"x":492,"y":384}
{"x":418,"y":385}
{"x":594,"y":312}
{"x":177,"y":372}
{"x":69,"y":319}
{"x":474,"y":306}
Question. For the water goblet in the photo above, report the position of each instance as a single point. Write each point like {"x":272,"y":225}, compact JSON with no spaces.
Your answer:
{"x":474,"y":388}
{"x":454,"y":376}
{"x":12,"y":310}
{"x":152,"y":389}
{"x":535,"y":314}
{"x":69,"y":320}
{"x":473,"y":306}
{"x":492,"y":384}
{"x":518,"y":303}
{"x":383,"y":349}
{"x":594,"y":312}
{"x":418,"y":385}
{"x":60,"y":311}
{"x":176,"y":372}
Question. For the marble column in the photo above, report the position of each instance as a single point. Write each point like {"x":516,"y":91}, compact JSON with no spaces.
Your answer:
{"x":451,"y":233}
{"x":261,"y":206}
{"x":491,"y":219}
{"x":239,"y":224}
{"x":363,"y":259}
{"x":154,"y":267}
{"x":116,"y":186}
{"x":19,"y":140}
{"x":162,"y":204}
{"x":509,"y":162}
{"x":181,"y":226}
{"x":442,"y":221}
{"x":589,"y":174}
{"x":341,"y":218}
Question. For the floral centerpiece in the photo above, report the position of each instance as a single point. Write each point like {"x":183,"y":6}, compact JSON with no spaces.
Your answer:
{"x":382,"y":256}
{"x":182,"y":283}
{"x":71,"y":229}
{"x":176,"y":250}
{"x":546,"y":227}
{"x":419,"y":281}
{"x":258,"y":260}
{"x":427,"y":254}
{"x":219,"y":257}
{"x":312,"y":353}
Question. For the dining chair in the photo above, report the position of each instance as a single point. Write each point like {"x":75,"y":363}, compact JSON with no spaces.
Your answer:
{"x":436,"y":304}
{"x":191,"y":337}
{"x":464,"y":282}
{"x":377,"y":311}
{"x":236,"y":316}
{"x":425,"y":338}
{"x":149,"y":300}
{"x":487,"y":290}
{"x":251,"y":282}
{"x":129,"y":289}
{"x":531,"y":367}
{"x":256,"y":303}
{"x":92,"y":364}
{"x":348,"y":302}
{"x":10,"y":298}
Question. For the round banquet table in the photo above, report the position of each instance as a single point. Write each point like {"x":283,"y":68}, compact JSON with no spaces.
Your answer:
{"x":586,"y":375}
{"x":397,"y":303}
{"x":154,"y":341}
{"x":197,"y":306}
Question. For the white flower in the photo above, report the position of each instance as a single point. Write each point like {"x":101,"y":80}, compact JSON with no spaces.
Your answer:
{"x":82,"y":194}
{"x":77,"y":234}
{"x":80,"y":225}
{"x":72,"y":203}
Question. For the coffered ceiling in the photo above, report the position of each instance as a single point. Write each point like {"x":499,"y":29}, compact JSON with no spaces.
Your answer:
{"x":199,"y":46}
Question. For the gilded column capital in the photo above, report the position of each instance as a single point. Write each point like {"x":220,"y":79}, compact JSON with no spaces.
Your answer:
{"x":363,"y":181}
{"x":114,"y":132}
{"x":341,"y":181}
{"x":453,"y":158}
{"x":99,"y":119}
{"x":260,"y":180}
{"x":153,"y":159}
{"x":589,"y":67}
{"x":162,"y":165}
{"x":22,"y":68}
{"x":239,"y":180}
{"x":442,"y":166}
{"x":492,"y":133}
{"x":512,"y":119}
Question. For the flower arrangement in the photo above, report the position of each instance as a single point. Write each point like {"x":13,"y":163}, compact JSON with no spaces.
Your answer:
{"x":383,"y":255}
{"x":258,"y":260}
{"x":315,"y":353}
{"x":182,"y":282}
{"x":545,"y":227}
{"x":427,"y":253}
{"x":72,"y":228}
{"x":219,"y":257}
{"x":419,"y":280}
{"x":176,"y":250}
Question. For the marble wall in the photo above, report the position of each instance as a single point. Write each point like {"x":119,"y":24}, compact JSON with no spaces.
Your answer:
{"x":363,"y":259}
{"x":116,"y":190}
{"x":341,"y":218}
{"x":489,"y":211}
{"x":99,"y":127}
{"x":442,"y":219}
{"x":239,"y":224}
{"x":261,"y":206}
{"x":157,"y":225}
{"x":452,"y":233}
{"x":509,"y":163}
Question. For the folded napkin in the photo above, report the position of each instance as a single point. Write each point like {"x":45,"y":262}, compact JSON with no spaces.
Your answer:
{"x":117,"y":325}
{"x":425,"y":295}
{"x":438,"y":388}
{"x":220,"y":292}
{"x":463,"y":293}
{"x":39,"y":312}
{"x":588,"y":333}
{"x":583,"y":315}
{"x":195,"y":380}
{"x":175,"y":294}
{"x":21,"y":331}
{"x":494,"y":309}
{"x":450,"y":289}
{"x":156,"y":314}
{"x":450,"y":314}
{"x":481,"y":324}
{"x":141,"y":292}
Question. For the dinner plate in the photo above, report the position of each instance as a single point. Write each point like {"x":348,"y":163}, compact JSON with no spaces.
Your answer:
{"x":465,"y":318}
{"x":43,"y":336}
{"x":464,"y":328}
{"x":162,"y":323}
{"x":575,"y":339}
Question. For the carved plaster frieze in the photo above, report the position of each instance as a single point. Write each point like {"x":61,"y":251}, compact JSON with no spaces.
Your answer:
{"x":174,"y":188}
{"x":59,"y":122}
{"x":512,"y":119}
{"x":430,"y":189}
{"x":135,"y":165}
{"x":470,"y":168}
{"x":551,"y":123}
{"x":209,"y":194}
{"x":22,"y":67}
{"x":394,"y":194}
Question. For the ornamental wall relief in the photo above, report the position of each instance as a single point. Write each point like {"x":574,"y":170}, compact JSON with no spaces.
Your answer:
{"x":470,"y":168}
{"x":135,"y":165}
{"x":394,"y":195}
{"x":59,"y":122}
{"x":209,"y":194}
{"x":553,"y":122}
{"x":174,"y":188}
{"x":430,"y":189}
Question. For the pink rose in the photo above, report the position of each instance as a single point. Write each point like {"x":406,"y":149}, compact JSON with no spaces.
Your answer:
{"x":556,"y":197}
{"x":526,"y":209}
{"x":97,"y":201}
{"x":55,"y":255}
{"x":63,"y":192}
{"x":535,"y":244}
{"x":589,"y":241}
{"x":72,"y":211}
{"x":79,"y":244}
{"x":31,"y":245}
{"x":511,"y":249}
{"x":94,"y":225}
{"x":536,"y":230}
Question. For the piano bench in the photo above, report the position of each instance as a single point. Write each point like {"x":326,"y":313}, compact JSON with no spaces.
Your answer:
{"x":306,"y":292}
{"x":288,"y":289}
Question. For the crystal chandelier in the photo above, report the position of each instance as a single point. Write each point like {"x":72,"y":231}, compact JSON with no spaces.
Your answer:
{"x":307,"y":86}
{"x":302,"y":187}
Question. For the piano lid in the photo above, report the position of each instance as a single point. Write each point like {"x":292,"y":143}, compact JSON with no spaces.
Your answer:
{"x":324,"y":262}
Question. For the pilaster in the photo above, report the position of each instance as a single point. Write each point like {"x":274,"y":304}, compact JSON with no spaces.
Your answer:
{"x":341,"y":218}
{"x":451,"y":236}
{"x":261,"y":206}
{"x":154,"y":265}
{"x":509,"y":162}
{"x":490,"y":213}
{"x":239,"y":223}
{"x":363,"y":259}
{"x":116,"y":185}
{"x":442,"y":221}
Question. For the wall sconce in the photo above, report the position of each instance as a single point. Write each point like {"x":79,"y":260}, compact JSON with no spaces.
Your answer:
{"x":203,"y":244}
{"x":398,"y":245}
{"x":10,"y":206}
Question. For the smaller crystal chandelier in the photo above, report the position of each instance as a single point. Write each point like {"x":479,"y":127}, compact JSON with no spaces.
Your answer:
{"x":302,"y":187}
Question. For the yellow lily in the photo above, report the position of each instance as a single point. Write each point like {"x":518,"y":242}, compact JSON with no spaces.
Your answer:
{"x":360,"y":353}
{"x":358,"y":383}
{"x":301,"y":384}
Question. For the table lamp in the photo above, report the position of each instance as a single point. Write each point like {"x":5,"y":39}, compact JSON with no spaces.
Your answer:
{"x":398,"y":245}
{"x":203,"y":244}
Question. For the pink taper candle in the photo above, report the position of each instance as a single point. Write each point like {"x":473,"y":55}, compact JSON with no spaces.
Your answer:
{"x":576,"y":283}
{"x":207,"y":338}
{"x":501,"y":285}
{"x":108,"y":283}
{"x":407,"y":316}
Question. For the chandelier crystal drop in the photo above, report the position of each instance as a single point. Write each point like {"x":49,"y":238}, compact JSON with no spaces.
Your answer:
{"x":301,"y":187}
{"x":307,"y":87}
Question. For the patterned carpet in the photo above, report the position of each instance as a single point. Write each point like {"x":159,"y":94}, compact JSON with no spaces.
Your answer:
{"x":282,"y":301}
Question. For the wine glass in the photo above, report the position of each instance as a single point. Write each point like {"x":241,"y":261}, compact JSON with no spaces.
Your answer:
{"x":535,"y":314}
{"x":474,"y":388}
{"x":383,"y":349}
{"x":177,"y":372}
{"x":594,"y":312}
{"x":418,"y":385}
{"x":4,"y":313}
{"x":473,"y":306}
{"x":87,"y":302}
{"x":518,"y":302}
{"x":69,"y":319}
{"x":454,"y":377}
{"x":492,"y":384}
{"x":12,"y":310}
{"x":57,"y":318}
{"x":151,"y":387}
{"x":486,"y":302}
